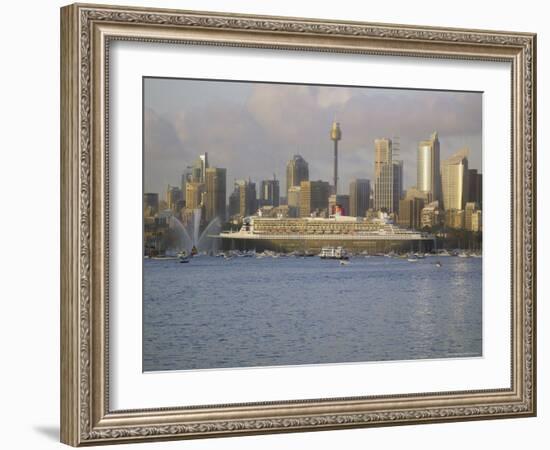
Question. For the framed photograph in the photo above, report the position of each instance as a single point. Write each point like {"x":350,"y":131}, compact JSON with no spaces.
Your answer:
{"x":275,"y":224}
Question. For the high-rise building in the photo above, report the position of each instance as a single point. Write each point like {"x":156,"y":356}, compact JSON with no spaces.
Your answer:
{"x":410,"y":210}
{"x":454,"y":218}
{"x":269,"y":194}
{"x":186,"y":177}
{"x":359,"y":196}
{"x":428,"y":177}
{"x":204,"y":165}
{"x":150,"y":204}
{"x":173,"y":197}
{"x":454,"y":180}
{"x":338,"y":205}
{"x":472,"y":217}
{"x":247,"y":197}
{"x":335,"y":136}
{"x":297,"y":170}
{"x":193,"y":194}
{"x":388,"y":177}
{"x":215,"y":184}
{"x":397,"y":184}
{"x":382,"y":154}
{"x":293,"y":201}
{"x":314,"y":197}
{"x":475,"y":187}
{"x":430,"y":216}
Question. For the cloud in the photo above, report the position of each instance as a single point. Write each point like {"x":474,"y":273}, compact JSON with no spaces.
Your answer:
{"x":255,"y":131}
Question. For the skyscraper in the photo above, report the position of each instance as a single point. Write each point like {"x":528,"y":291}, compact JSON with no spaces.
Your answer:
{"x":193,"y":194}
{"x":382,"y":154}
{"x":359,"y":195}
{"x":335,"y":136}
{"x":388,"y":177}
{"x":293,"y":201}
{"x":247,"y":197}
{"x":397,"y":184}
{"x":215,"y":183}
{"x":428,"y":178}
{"x":313,"y":197}
{"x":454,"y":180}
{"x":269,"y":194}
{"x":297,"y":170}
{"x":204,"y":165}
{"x":475,"y":187}
{"x":173,"y":197}
{"x":150,"y":204}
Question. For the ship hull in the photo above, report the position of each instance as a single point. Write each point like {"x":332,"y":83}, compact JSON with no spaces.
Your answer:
{"x":287,"y":245}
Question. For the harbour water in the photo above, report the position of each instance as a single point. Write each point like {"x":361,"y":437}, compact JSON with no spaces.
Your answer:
{"x":248,"y":312}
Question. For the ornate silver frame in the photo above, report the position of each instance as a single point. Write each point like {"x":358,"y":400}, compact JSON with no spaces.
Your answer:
{"x":86,"y":32}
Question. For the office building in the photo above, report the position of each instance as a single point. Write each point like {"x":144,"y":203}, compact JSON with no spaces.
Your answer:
{"x":338,"y":205}
{"x":193,"y":194}
{"x":314,"y":198}
{"x":173,"y":197}
{"x":410,"y":210}
{"x":475,"y":187}
{"x":388,"y":187}
{"x":297,"y":170}
{"x":472,"y":217}
{"x":359,"y":197}
{"x":454,"y":180}
{"x":247,"y":197}
{"x":382,"y":154}
{"x":430,"y":215}
{"x":215,"y":185}
{"x":269,"y":193}
{"x":150,"y":204}
{"x":428,"y":176}
{"x":293,"y":201}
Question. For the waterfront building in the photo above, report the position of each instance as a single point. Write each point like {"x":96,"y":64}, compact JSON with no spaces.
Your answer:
{"x":338,"y":204}
{"x":215,"y":194}
{"x":269,"y":193}
{"x":293,"y":201}
{"x":410,"y":209}
{"x":173,"y":197}
{"x":475,"y":187}
{"x":472,"y":217}
{"x":150,"y":204}
{"x":314,"y":197}
{"x":430,"y":216}
{"x":335,"y":136}
{"x":297,"y":170}
{"x":454,"y":218}
{"x":193,"y":194}
{"x":359,"y":197}
{"x":428,"y":176}
{"x":454,"y":179}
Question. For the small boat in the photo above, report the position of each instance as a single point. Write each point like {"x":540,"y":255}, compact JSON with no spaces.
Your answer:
{"x":344,"y":262}
{"x":463,"y":255}
{"x":183,"y":257}
{"x":437,"y":264}
{"x":333,"y":253}
{"x":412,"y":258}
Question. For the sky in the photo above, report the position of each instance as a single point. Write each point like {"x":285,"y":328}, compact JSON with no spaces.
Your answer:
{"x":253,"y":129}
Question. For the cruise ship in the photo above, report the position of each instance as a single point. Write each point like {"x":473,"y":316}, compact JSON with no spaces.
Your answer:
{"x":355,"y":234}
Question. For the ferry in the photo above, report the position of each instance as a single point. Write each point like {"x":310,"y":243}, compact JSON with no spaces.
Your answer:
{"x":333,"y":253}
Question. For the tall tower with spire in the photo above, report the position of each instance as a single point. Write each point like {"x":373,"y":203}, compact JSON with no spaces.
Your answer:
{"x":335,"y":136}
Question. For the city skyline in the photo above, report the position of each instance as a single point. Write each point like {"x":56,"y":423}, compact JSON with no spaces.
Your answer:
{"x":176,"y":128}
